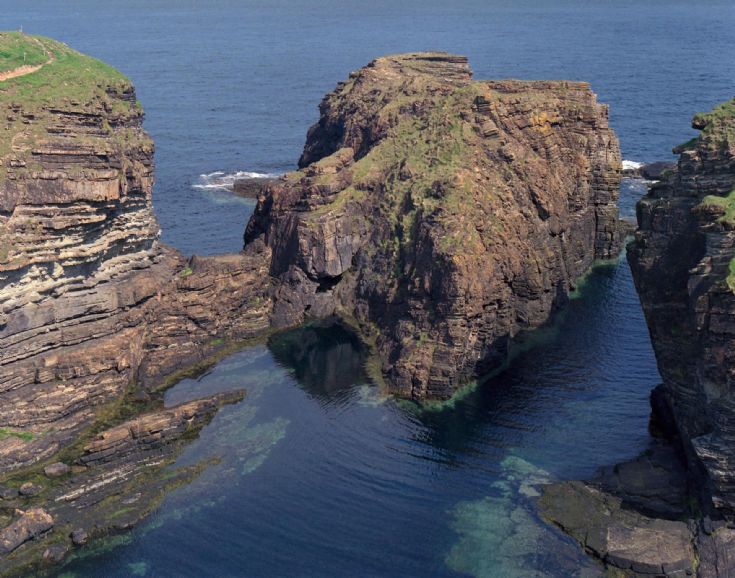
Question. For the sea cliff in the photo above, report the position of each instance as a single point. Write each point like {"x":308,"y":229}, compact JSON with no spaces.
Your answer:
{"x":682,"y":262}
{"x":443,"y":215}
{"x":671,"y":511}
{"x":439,"y":215}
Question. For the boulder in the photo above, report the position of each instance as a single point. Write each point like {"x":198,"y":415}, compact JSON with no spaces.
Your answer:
{"x":29,"y":489}
{"x":29,"y":525}
{"x":56,"y":470}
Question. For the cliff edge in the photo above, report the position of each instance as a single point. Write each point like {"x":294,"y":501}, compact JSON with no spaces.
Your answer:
{"x":90,"y":301}
{"x":683,"y":267}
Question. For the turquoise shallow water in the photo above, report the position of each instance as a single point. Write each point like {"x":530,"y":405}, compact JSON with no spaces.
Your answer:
{"x":320,"y":475}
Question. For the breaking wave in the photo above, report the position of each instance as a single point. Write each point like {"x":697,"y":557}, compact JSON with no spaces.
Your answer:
{"x":219,"y":180}
{"x":631,"y":165}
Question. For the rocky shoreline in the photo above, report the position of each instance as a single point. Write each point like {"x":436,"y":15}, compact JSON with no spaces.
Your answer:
{"x":437,"y":215}
{"x":673,"y":515}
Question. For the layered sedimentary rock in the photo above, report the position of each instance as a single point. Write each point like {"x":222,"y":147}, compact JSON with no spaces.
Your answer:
{"x":118,"y":479}
{"x":90,"y":300}
{"x":444,"y":214}
{"x":682,"y":262}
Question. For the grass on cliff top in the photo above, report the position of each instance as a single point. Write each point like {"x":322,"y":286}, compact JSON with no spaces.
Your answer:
{"x":69,"y":76}
{"x":719,"y":123}
{"x":17,"y":49}
{"x":727,"y":203}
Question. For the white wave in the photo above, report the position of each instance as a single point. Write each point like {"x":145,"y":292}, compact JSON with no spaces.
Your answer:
{"x":631,"y":165}
{"x":219,"y":180}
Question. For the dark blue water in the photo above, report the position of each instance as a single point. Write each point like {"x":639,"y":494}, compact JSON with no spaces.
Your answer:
{"x":320,"y":475}
{"x":232,"y":85}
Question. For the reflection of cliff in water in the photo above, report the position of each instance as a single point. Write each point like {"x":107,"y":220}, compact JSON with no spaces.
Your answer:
{"x":326,"y":358}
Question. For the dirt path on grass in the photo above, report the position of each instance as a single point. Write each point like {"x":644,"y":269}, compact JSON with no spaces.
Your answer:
{"x":23,"y":70}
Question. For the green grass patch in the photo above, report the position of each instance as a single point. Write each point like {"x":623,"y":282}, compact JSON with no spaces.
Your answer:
{"x":186,"y":272}
{"x":726,"y":203}
{"x":690,"y":144}
{"x":21,"y":435}
{"x":70,"y":76}
{"x":18,"y":49}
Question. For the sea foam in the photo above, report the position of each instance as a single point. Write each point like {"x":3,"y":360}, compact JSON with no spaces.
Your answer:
{"x":220,"y":180}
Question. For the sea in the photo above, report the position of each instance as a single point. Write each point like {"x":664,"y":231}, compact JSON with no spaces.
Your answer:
{"x":317,"y":473}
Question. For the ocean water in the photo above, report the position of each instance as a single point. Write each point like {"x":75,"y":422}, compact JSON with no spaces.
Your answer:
{"x":319,"y":474}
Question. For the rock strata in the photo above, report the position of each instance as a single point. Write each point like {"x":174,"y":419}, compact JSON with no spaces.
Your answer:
{"x":682,"y":263}
{"x":90,"y":300}
{"x":115,"y":482}
{"x":444,"y":215}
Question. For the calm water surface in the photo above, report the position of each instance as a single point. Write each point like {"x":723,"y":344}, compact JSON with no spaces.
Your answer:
{"x":319,"y":474}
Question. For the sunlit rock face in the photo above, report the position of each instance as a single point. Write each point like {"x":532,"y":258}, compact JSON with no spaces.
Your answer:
{"x":90,"y":300}
{"x":443,"y":214}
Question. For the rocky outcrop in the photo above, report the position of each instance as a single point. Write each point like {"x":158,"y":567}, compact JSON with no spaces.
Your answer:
{"x":90,"y":300}
{"x":115,"y":482}
{"x":444,"y":215}
{"x":682,"y":262}
{"x":29,"y":525}
{"x":151,"y":433}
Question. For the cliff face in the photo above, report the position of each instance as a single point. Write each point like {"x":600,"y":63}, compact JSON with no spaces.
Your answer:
{"x":682,"y":262}
{"x":444,"y":214}
{"x":90,"y":300}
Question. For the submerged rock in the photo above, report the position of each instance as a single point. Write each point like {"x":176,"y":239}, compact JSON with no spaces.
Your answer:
{"x":621,"y":537}
{"x":443,"y":214}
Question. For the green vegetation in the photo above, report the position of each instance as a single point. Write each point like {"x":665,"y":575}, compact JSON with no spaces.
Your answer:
{"x":727,"y":204}
{"x":21,"y":435}
{"x":186,"y":272}
{"x":66,"y":79}
{"x":718,"y":125}
{"x":17,"y":49}
{"x":725,"y":111}
{"x":69,"y":75}
{"x":690,"y":144}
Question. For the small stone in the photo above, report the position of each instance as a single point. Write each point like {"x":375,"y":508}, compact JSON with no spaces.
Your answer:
{"x":79,"y":537}
{"x":141,"y":396}
{"x":8,"y":493}
{"x":56,"y":470}
{"x":55,"y":553}
{"x":30,"y":489}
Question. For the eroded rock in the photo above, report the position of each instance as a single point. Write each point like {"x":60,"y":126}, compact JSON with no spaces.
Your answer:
{"x":444,"y":214}
{"x":29,"y":525}
{"x":619,"y":536}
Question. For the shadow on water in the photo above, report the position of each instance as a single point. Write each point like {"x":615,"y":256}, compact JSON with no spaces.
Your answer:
{"x":326,"y":358}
